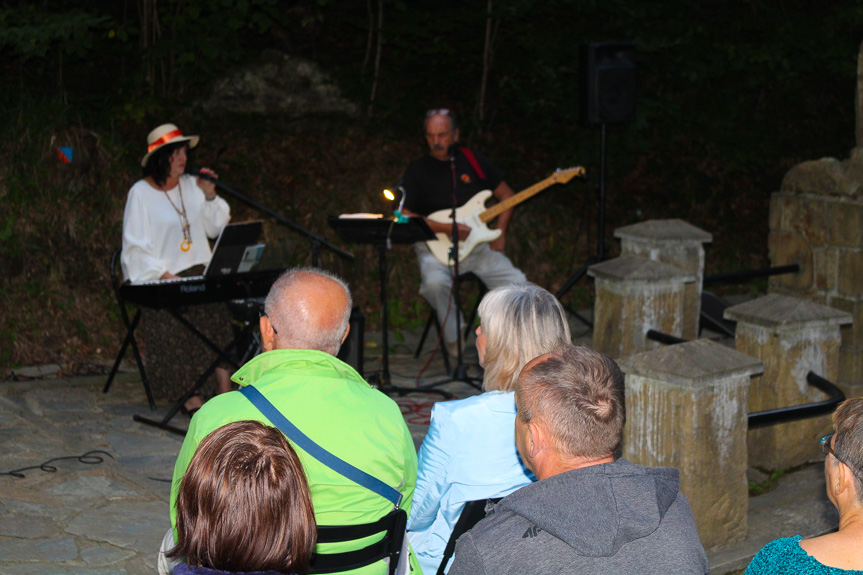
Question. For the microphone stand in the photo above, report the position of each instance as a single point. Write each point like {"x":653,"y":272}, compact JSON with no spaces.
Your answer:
{"x":459,"y":372}
{"x":315,"y":240}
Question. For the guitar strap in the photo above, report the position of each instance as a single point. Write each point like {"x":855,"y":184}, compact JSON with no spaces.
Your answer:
{"x":472,"y":159}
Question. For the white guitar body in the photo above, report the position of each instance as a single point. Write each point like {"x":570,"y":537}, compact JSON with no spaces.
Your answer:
{"x":467,"y":214}
{"x":474,"y":215}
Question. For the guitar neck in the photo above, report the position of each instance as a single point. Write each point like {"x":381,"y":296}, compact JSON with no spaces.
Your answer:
{"x":515,"y":200}
{"x":559,"y":177}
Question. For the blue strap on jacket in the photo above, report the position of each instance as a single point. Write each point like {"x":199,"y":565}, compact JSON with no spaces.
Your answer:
{"x":305,"y":443}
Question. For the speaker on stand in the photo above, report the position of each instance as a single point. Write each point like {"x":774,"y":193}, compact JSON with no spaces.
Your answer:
{"x":607,"y":98}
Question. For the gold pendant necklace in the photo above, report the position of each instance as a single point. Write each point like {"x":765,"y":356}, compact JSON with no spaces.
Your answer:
{"x":186,"y":244}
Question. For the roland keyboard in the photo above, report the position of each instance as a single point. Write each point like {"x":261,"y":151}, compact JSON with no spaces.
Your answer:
{"x":199,"y":290}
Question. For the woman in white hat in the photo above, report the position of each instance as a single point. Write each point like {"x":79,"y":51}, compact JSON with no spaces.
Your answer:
{"x":169,"y":215}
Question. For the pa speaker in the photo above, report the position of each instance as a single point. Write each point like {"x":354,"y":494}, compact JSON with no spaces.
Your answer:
{"x":351,"y":351}
{"x":608,"y":79}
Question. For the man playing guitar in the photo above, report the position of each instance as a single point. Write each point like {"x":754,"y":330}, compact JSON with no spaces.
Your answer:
{"x":452,"y":174}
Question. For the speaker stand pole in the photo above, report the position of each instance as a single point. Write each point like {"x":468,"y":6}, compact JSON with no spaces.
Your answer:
{"x":600,"y":245}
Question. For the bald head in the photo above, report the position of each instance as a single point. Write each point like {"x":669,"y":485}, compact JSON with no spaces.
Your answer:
{"x":307,"y":308}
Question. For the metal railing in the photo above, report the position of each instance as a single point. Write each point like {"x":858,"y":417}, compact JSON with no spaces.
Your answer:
{"x":781,"y":414}
{"x":749,"y":274}
{"x":798,"y":412}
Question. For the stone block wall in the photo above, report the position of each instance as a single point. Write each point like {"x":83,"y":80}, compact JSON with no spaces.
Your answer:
{"x":816,"y":221}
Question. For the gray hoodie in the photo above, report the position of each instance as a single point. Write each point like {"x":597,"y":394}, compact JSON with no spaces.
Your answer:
{"x":609,"y":518}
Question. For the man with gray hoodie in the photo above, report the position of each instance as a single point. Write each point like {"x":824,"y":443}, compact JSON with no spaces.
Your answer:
{"x":588,"y":513}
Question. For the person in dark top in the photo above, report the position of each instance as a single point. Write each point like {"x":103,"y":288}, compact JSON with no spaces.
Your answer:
{"x":588,"y":512}
{"x":453,"y":174}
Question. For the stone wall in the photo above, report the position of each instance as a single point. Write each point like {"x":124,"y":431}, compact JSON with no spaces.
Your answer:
{"x":816,"y":221}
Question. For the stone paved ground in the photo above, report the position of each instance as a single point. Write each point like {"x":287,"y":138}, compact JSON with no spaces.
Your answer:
{"x":109,"y":517}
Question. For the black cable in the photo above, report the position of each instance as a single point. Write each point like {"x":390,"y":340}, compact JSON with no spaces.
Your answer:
{"x":86,"y":458}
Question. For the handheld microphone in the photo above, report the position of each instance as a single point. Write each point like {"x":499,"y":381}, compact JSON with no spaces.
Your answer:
{"x":203,"y":175}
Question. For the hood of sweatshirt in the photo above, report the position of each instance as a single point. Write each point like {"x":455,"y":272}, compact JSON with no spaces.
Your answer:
{"x":597,"y":509}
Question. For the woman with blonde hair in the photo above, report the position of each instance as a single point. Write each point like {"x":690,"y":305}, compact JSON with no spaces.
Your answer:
{"x":469,"y":451}
{"x":841,"y":551}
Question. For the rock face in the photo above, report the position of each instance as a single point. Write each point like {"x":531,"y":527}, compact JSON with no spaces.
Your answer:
{"x":279,"y":84}
{"x":827,"y":176}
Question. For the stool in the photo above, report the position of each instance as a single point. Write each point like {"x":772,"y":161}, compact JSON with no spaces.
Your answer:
{"x":468,"y":327}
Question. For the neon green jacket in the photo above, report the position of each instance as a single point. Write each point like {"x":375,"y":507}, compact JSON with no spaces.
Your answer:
{"x":332,"y":404}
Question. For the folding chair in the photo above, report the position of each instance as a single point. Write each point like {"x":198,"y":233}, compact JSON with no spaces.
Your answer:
{"x":473,"y":513}
{"x":388,"y":547}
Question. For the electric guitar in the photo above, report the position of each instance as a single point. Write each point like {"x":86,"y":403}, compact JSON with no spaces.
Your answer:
{"x":473,"y":215}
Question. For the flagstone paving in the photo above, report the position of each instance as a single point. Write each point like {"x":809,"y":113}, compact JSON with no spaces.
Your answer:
{"x":103,"y":507}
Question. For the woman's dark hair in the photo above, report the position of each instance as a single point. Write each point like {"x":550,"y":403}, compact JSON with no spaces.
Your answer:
{"x":244,"y":503}
{"x":158,"y":164}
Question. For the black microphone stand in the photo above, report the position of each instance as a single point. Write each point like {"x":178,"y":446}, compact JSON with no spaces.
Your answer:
{"x":459,"y":372}
{"x":316,"y":241}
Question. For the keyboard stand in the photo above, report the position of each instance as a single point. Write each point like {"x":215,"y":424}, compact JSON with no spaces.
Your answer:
{"x":251,"y":351}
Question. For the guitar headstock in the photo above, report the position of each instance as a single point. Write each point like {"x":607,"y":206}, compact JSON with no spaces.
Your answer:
{"x":564,"y":176}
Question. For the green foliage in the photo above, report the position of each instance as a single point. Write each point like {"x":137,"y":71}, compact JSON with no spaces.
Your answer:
{"x":30,"y":32}
{"x":773,"y":479}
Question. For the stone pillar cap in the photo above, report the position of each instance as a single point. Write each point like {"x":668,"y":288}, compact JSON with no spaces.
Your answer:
{"x":635,"y":268}
{"x":692,"y":364}
{"x":782,"y":312}
{"x":663,"y":231}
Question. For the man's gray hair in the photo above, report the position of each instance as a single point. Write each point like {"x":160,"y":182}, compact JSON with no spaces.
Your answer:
{"x":520,"y":322}
{"x":290,"y":321}
{"x":578,"y":394}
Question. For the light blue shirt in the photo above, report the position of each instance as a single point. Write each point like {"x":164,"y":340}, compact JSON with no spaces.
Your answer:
{"x":469,"y":453}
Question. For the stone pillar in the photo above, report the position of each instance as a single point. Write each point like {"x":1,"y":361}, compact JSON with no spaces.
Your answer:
{"x":634,"y":295}
{"x":686,"y":407}
{"x":816,"y":221}
{"x":792,"y":337}
{"x":677,"y":243}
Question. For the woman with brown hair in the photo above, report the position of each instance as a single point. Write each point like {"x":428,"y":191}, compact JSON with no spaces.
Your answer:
{"x":840,"y":551}
{"x":244,"y":505}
